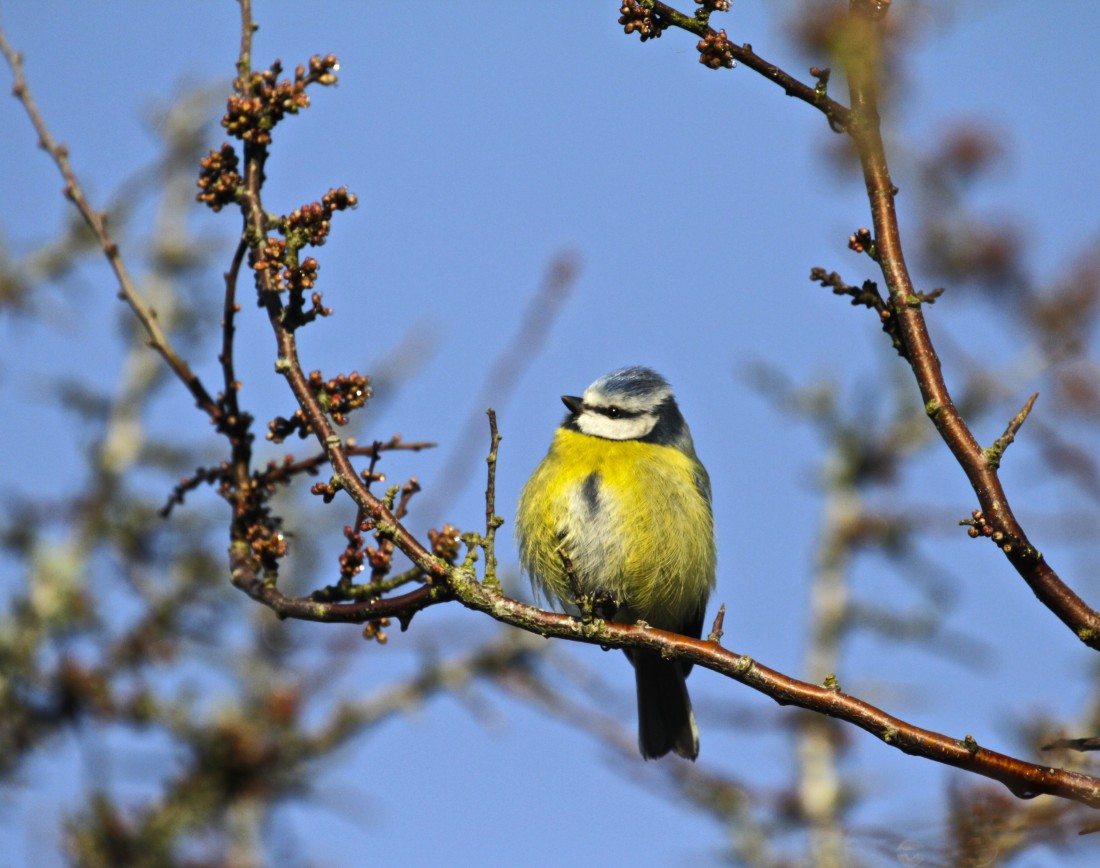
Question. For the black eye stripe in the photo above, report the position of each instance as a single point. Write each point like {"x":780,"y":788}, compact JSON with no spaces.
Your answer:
{"x":615,"y":412}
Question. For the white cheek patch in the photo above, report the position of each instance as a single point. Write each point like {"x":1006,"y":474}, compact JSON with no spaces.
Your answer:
{"x":598,"y":425}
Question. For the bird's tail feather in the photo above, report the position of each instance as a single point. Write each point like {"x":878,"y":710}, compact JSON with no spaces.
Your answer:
{"x":665,"y":720}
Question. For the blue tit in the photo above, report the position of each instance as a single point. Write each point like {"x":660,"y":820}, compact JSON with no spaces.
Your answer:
{"x":622,"y":494}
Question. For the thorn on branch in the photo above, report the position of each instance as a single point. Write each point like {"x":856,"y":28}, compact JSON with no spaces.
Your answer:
{"x":994,"y":453}
{"x":716,"y":631}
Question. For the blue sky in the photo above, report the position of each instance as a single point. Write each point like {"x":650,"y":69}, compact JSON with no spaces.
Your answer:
{"x":482,"y":143}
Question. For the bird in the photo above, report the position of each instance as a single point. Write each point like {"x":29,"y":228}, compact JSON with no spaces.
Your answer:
{"x":619,"y":511}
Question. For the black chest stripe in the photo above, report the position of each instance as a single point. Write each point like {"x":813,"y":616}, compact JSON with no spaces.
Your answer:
{"x":591,"y":491}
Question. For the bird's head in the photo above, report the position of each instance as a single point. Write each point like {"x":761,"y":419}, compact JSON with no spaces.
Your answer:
{"x":633,"y":403}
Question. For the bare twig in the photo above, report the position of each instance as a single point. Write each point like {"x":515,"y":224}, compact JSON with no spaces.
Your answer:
{"x":96,"y":221}
{"x":837,"y":114}
{"x":492,"y":520}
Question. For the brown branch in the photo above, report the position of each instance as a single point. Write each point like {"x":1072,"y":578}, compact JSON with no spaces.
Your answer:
{"x":244,"y":576}
{"x":236,"y":425}
{"x":864,"y":126}
{"x":1022,"y":778}
{"x":284,"y":472}
{"x":492,"y":520}
{"x":862,"y":123}
{"x":246,"y":572}
{"x":837,"y":114}
{"x":97,"y":222}
{"x":314,"y":462}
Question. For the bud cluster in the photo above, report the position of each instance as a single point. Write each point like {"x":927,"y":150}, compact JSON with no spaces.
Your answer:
{"x":262,"y":99}
{"x":716,"y":51}
{"x":636,"y":18}
{"x":219,"y":181}
{"x":337,"y":396}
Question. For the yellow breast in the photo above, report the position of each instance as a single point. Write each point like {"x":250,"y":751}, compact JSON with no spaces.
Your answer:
{"x":633,"y":518}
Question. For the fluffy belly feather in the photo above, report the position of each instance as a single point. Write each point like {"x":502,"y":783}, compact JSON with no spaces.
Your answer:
{"x":632,"y":517}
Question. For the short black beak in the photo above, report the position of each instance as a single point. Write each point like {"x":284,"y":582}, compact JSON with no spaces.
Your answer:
{"x":574,"y":403}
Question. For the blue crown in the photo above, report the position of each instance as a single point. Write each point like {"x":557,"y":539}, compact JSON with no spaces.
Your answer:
{"x":635,"y":382}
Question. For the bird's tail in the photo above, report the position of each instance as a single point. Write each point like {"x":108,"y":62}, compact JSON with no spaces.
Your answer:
{"x":665,"y":719}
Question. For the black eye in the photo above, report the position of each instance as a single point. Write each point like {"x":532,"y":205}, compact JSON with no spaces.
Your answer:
{"x":614,"y":412}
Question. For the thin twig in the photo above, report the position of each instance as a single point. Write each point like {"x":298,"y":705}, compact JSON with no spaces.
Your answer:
{"x":96,"y":221}
{"x":837,"y":114}
{"x":492,"y":520}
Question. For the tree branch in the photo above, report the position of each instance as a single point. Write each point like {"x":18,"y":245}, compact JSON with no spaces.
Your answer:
{"x":97,"y":222}
{"x":864,"y":126}
{"x":1023,"y":779}
{"x":837,"y":114}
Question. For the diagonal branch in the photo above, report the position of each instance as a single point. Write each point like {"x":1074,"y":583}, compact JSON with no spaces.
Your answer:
{"x":96,"y":221}
{"x":865,"y":129}
{"x":246,"y":572}
{"x":837,"y":114}
{"x":1023,"y":779}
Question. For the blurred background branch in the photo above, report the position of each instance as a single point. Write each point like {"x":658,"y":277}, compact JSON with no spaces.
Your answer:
{"x":198,"y":720}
